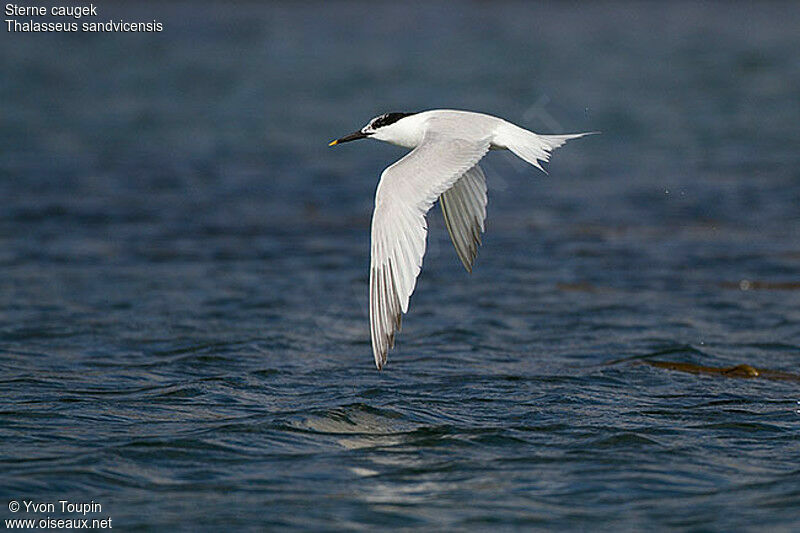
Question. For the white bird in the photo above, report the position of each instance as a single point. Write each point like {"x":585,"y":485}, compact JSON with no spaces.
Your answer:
{"x":442,"y":165}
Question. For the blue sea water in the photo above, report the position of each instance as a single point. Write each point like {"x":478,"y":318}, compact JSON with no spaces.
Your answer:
{"x":183,"y":271}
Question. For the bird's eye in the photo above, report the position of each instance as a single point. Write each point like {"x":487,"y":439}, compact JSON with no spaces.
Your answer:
{"x":377,"y":122}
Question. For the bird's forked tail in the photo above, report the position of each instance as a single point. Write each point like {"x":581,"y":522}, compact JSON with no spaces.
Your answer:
{"x":530,"y":146}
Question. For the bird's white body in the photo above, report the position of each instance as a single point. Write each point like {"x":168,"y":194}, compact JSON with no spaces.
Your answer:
{"x":442,"y":165}
{"x":408,"y":132}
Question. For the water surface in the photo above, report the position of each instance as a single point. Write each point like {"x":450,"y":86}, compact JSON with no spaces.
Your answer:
{"x":183,"y":271}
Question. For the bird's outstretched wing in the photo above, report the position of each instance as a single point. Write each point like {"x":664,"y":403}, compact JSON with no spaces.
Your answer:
{"x":464,"y":210}
{"x":406,"y":192}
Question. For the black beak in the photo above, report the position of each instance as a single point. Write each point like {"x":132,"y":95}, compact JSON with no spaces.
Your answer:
{"x":347,"y":138}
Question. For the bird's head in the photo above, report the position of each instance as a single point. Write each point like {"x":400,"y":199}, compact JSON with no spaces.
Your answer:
{"x":378,"y":128}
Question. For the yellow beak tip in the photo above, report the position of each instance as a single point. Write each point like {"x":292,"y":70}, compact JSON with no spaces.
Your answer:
{"x":333,"y":143}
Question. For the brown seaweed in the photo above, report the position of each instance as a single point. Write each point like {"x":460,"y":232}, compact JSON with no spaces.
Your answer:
{"x":738,"y":371}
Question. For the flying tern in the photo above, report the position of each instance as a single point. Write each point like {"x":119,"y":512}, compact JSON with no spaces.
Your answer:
{"x":446,"y":146}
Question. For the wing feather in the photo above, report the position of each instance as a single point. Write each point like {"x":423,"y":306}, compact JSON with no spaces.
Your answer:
{"x":406,"y":192}
{"x":464,"y":210}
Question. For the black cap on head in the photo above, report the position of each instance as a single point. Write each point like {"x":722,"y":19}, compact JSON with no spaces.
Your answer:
{"x":388,"y":118}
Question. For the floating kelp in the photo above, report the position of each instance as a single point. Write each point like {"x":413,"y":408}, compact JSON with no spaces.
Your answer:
{"x":738,"y":371}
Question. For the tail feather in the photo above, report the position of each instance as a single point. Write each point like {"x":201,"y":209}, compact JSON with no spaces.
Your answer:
{"x":530,"y":146}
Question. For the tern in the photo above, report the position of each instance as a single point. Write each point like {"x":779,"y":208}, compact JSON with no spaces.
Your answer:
{"x":446,"y":146}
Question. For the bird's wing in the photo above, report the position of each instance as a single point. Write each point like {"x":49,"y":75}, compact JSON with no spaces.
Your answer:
{"x":406,"y":192}
{"x":464,"y":210}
